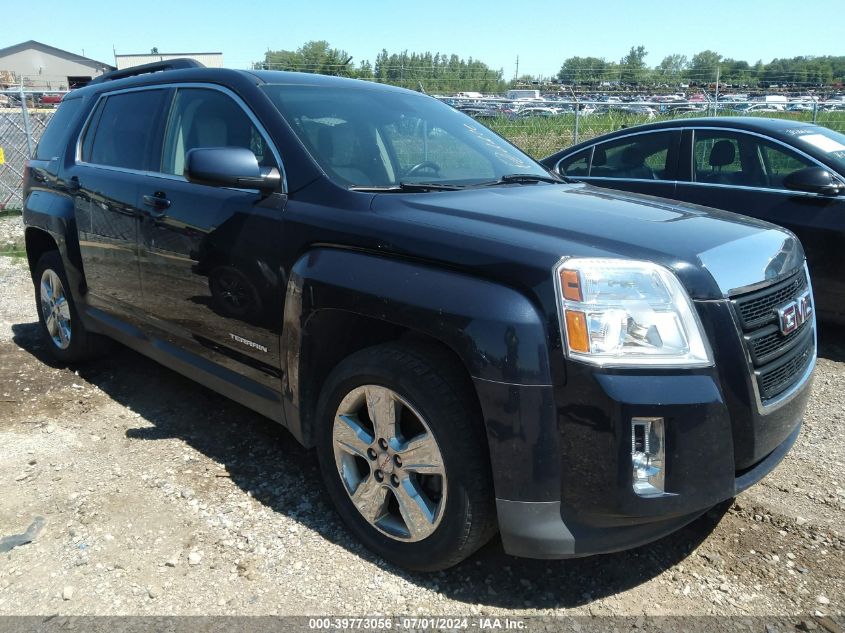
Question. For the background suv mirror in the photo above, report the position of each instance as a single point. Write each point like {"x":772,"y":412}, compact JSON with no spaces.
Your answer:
{"x":229,"y":167}
{"x":814,"y":180}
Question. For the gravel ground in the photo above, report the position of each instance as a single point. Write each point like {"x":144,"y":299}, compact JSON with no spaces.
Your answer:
{"x":161,"y":497}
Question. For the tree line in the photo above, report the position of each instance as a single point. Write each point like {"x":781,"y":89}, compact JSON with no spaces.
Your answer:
{"x":449,"y":73}
{"x":705,"y":67}
{"x":435,"y":72}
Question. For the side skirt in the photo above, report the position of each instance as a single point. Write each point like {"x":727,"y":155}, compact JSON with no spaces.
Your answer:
{"x":242,"y":390}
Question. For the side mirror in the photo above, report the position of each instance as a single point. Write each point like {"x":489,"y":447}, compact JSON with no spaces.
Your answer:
{"x":814,"y":180}
{"x":229,"y":167}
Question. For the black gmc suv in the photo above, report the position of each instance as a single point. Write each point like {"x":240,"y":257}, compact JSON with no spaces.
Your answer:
{"x":469,"y":343}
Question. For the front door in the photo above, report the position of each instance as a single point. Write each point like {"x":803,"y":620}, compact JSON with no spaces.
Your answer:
{"x":209,"y":257}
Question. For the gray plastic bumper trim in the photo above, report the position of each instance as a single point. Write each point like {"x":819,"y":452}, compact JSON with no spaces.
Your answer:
{"x":534,"y":529}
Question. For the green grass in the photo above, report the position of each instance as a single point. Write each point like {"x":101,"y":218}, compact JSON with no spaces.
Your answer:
{"x":13,"y":250}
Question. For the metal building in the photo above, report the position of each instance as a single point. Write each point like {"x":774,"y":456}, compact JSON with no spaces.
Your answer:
{"x":209,"y":60}
{"x":43,"y":67}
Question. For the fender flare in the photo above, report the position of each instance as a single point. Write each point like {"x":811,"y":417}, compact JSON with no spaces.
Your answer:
{"x":54,"y":215}
{"x":497,"y":332}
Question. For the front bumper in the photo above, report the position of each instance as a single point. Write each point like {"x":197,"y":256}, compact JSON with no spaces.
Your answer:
{"x":561,"y":456}
{"x":536,"y":529}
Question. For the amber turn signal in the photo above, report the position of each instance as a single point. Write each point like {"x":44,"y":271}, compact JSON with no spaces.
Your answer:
{"x":576,"y":331}
{"x":570,"y":284}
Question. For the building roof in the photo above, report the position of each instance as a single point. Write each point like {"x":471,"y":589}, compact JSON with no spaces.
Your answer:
{"x":30,"y":44}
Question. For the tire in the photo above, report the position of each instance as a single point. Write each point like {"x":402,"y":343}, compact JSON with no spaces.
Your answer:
{"x":434,"y":506}
{"x":64,"y":334}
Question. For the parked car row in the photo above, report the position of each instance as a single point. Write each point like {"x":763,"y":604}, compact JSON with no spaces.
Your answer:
{"x":12,"y":99}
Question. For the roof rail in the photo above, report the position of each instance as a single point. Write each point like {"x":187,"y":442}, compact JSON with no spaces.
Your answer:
{"x":143,"y":69}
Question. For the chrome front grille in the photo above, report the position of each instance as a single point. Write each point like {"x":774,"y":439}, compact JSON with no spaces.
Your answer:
{"x":758,"y":308}
{"x":778,"y":361}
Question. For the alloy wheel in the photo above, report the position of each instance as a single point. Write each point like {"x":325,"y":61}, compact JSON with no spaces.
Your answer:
{"x":55,"y":309}
{"x":390,"y":463}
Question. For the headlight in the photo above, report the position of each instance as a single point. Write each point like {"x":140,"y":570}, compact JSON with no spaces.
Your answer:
{"x":621,"y":312}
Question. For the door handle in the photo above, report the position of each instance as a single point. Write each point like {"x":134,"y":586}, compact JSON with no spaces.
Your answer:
{"x":158,"y":202}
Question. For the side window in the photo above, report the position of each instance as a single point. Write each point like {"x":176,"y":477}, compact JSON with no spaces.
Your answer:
{"x":778,"y":162}
{"x":125,"y":131}
{"x":641,"y":157}
{"x":52,"y":143}
{"x":718,"y":159}
{"x":576,"y":165}
{"x":203,"y":117}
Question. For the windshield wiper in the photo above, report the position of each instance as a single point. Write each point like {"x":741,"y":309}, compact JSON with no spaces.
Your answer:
{"x":407,"y":186}
{"x":521,"y":178}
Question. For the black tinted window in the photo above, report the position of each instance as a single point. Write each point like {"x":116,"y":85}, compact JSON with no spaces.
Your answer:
{"x":641,"y":157}
{"x":201,"y":117}
{"x":734,"y":158}
{"x":52,"y":141}
{"x":126,"y":133}
{"x":577,"y":164}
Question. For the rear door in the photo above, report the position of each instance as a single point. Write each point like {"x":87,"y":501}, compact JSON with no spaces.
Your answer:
{"x":743,"y":172}
{"x":642,"y":162}
{"x":116,"y":149}
{"x":210,"y":256}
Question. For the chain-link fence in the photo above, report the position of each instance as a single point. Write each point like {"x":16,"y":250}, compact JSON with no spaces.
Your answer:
{"x":539,"y":127}
{"x":23,"y":117}
{"x":542,"y":127}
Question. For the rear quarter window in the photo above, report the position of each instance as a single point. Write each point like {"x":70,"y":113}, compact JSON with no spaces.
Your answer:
{"x":126,"y":131}
{"x":53,"y":140}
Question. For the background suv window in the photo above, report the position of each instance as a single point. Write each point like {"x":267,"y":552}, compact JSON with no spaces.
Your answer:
{"x":202,"y":117}
{"x":743,"y":160}
{"x":640,"y":157}
{"x":718,"y":159}
{"x":577,"y":164}
{"x":124,"y":130}
{"x":779,"y":162}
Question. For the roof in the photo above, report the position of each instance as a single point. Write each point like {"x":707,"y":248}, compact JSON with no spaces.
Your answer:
{"x":313,"y":79}
{"x":32,"y":44}
{"x":753,"y":123}
{"x":227,"y":74}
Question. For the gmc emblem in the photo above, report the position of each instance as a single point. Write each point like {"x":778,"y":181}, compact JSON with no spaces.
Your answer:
{"x":795,"y":313}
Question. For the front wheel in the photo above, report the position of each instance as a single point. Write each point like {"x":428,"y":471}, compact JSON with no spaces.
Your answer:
{"x":402,"y":453}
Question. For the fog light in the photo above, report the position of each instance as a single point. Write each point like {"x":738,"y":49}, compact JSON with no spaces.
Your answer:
{"x":648,"y":456}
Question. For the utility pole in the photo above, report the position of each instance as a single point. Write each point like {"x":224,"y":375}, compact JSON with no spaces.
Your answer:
{"x":718,"y":75}
{"x":516,"y":72}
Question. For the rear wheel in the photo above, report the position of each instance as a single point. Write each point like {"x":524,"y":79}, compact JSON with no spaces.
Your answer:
{"x":65,"y":335}
{"x":403,"y":455}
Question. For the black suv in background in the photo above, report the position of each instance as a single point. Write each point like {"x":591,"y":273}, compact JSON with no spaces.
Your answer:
{"x":469,"y":343}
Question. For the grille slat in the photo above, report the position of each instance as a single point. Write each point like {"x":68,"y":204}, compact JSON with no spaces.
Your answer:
{"x":759,"y":308}
{"x":778,"y":379}
{"x":778,"y":360}
{"x":769,"y":343}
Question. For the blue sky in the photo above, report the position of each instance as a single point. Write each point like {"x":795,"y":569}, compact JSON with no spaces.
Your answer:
{"x":542,"y":34}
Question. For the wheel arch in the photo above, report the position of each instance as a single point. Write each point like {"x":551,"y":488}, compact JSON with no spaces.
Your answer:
{"x":340,"y":301}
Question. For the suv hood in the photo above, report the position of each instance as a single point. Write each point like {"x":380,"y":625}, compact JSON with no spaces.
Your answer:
{"x":714,"y":253}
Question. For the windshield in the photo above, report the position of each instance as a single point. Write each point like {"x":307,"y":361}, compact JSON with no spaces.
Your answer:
{"x":827,"y":141}
{"x":378,"y":138}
